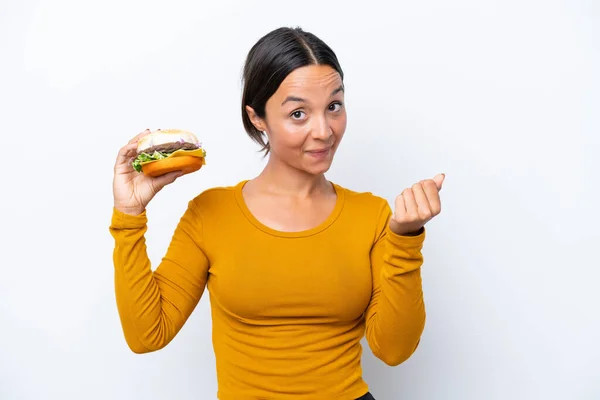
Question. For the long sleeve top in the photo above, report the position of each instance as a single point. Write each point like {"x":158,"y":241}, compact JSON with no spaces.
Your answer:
{"x":289,"y":309}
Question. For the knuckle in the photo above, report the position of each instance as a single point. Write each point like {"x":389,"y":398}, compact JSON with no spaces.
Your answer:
{"x":413,"y":217}
{"x":426,"y":214}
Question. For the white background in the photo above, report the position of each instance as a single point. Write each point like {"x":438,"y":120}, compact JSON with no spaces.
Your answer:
{"x":501,"y":96}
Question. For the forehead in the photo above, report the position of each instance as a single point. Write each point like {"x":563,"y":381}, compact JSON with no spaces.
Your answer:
{"x":312,"y":78}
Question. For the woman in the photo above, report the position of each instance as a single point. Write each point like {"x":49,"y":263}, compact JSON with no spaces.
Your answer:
{"x":298,"y":268}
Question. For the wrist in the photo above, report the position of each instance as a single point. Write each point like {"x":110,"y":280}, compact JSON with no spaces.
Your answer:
{"x":403,"y":230}
{"x":134,"y":211}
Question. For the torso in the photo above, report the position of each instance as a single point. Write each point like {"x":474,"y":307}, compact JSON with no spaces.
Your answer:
{"x":289,"y":284}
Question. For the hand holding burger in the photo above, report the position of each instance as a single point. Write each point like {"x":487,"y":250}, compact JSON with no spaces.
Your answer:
{"x":150,"y":161}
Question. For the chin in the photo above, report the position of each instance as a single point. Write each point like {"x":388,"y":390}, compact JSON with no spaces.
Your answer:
{"x":317,"y":169}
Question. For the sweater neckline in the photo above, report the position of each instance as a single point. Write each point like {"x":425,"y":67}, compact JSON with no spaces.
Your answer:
{"x":333,"y":216}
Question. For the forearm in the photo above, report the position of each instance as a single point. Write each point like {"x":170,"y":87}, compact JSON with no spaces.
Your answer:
{"x":395,"y":329}
{"x":396,"y":317}
{"x":154,"y":305}
{"x":137,"y":293}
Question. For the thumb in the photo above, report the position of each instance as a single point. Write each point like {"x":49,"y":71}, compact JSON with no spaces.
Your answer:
{"x":439,"y":179}
{"x":168,"y":178}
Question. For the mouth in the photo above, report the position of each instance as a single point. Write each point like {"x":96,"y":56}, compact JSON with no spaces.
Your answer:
{"x":320,"y":154}
{"x":324,"y":150}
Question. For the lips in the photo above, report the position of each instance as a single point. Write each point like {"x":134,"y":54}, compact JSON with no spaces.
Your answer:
{"x":320,"y":154}
{"x":319,"y":151}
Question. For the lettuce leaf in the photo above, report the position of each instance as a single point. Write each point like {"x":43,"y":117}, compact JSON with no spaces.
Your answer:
{"x":143,"y":157}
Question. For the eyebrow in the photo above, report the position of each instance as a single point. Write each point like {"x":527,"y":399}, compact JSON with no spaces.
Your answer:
{"x":301,"y":100}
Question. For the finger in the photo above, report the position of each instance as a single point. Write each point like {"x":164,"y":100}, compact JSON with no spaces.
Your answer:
{"x":166,"y":179}
{"x":423,"y":209}
{"x":439,"y":180}
{"x":410,"y":203}
{"x":137,"y":137}
{"x":126,"y":153}
{"x":433,"y":196}
{"x":400,"y":208}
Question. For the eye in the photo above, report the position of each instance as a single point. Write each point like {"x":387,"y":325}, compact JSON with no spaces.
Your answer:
{"x":332,"y":106}
{"x":297,"y":114}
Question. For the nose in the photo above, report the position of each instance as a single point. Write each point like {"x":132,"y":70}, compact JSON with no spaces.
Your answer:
{"x":321,"y":129}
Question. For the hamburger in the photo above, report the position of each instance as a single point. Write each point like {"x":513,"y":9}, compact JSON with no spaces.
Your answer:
{"x":163,"y":151}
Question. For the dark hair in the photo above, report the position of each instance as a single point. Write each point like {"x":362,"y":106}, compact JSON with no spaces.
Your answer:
{"x":270,"y":61}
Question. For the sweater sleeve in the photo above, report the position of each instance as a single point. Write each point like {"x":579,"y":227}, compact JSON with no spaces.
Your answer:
{"x":154,"y":305}
{"x":395,"y":317}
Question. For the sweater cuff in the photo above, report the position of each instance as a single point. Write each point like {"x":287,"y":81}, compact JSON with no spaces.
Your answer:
{"x":406,"y":242}
{"x":120,"y":220}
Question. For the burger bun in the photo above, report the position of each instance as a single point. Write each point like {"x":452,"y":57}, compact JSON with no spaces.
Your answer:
{"x":185,"y":164}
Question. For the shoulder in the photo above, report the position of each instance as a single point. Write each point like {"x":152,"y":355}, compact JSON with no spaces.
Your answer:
{"x":366,"y":210}
{"x":216,"y":198}
{"x":364,"y":198}
{"x":363,"y":202}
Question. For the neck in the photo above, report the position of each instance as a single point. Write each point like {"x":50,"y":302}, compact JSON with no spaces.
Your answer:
{"x":281,"y":179}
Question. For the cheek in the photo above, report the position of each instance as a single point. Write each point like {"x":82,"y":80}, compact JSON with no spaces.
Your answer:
{"x":339,"y":126}
{"x":289,"y":135}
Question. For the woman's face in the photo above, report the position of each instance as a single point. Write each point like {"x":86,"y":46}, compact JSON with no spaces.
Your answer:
{"x":305,"y":118}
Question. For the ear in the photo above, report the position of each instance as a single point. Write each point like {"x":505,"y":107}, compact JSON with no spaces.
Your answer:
{"x":255,"y":119}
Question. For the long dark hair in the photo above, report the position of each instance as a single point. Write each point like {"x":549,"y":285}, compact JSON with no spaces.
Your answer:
{"x":269,"y":62}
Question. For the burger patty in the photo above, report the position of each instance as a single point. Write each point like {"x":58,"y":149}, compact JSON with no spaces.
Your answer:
{"x":170,"y":147}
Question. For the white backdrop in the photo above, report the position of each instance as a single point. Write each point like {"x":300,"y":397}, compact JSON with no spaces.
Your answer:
{"x":501,"y":96}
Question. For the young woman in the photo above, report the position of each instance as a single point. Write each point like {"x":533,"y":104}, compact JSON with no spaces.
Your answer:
{"x":298,"y":268}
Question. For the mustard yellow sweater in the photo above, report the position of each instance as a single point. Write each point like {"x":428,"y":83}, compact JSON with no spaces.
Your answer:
{"x":288,"y":309}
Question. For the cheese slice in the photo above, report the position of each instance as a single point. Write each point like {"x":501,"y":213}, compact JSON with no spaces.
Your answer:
{"x":177,"y":153}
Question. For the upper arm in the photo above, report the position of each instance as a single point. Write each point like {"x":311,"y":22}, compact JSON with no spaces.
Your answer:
{"x":182,"y":273}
